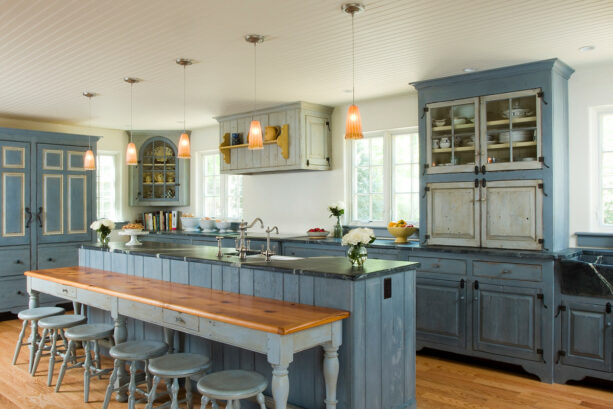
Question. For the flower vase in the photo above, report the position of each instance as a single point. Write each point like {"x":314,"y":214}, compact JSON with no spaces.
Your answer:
{"x":103,"y":238}
{"x":357,"y":255}
{"x":338,"y":229}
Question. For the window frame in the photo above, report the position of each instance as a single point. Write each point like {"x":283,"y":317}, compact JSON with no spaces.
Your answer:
{"x":118,"y":184}
{"x":223,"y":186}
{"x":388,"y":175}
{"x":597,"y":113}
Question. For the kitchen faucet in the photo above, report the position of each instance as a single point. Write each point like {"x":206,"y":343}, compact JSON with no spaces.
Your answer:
{"x":242,"y":249}
{"x":269,"y":252}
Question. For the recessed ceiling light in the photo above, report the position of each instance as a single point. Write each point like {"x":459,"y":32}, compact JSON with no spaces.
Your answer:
{"x":586,"y":48}
{"x":470,"y":69}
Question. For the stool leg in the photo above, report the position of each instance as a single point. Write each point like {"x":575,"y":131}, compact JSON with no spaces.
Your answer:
{"x":214,"y":405}
{"x":204,"y":402}
{"x":156,"y":380}
{"x":188,"y":393}
{"x":33,"y":340}
{"x":174,"y":390}
{"x":20,"y":341}
{"x":147,"y":376}
{"x":97,"y":356}
{"x":109,"y":389}
{"x":229,"y":405}
{"x":39,"y":352}
{"x":132,"y":387}
{"x":86,"y":373}
{"x":52,"y":357}
{"x":237,"y":404}
{"x":67,"y":358}
{"x":64,"y":340}
{"x":261,"y":401}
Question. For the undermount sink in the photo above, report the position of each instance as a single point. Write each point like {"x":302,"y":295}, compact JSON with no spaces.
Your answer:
{"x":587,"y":275}
{"x":272,"y":258}
{"x":235,"y":253}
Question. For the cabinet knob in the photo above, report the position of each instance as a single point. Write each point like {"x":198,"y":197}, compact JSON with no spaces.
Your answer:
{"x":19,"y":292}
{"x":18,"y":262}
{"x":180,"y":320}
{"x":436,"y":266}
{"x":50,"y":259}
{"x":506,"y":271}
{"x":608,"y":324}
{"x":462,"y":298}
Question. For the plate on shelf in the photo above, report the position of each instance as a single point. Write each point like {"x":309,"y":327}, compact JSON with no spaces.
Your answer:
{"x":161,"y":153}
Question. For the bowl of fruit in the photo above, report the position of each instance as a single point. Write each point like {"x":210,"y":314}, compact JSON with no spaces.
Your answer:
{"x":401,"y":230}
{"x":317,"y":232}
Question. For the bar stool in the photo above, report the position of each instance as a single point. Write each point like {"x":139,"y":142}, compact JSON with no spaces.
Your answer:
{"x":133,"y":351}
{"x":33,"y":315}
{"x":85,"y":334}
{"x":53,"y":327}
{"x":232,"y":386}
{"x":175,"y":366}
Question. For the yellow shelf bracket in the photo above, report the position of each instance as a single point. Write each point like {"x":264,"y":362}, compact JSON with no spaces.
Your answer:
{"x":225,"y":152}
{"x":283,"y":141}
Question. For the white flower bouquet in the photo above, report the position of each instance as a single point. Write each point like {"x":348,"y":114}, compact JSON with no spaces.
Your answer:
{"x":103,"y":227}
{"x":357,"y":240}
{"x":337,"y":209}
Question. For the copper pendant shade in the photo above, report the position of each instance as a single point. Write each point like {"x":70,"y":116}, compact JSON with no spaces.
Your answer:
{"x":131,"y":155}
{"x":89,"y":160}
{"x":255,"y":129}
{"x":353,"y":125}
{"x":184,"y":148}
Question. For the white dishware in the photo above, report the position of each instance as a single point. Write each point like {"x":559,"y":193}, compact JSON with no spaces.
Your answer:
{"x":439,"y":122}
{"x":517,"y":113}
{"x":223,"y":226}
{"x":459,"y":121}
{"x":190,"y":223}
{"x":133,"y":233}
{"x":516,"y":136}
{"x":436,"y":143}
{"x":445,"y":143}
{"x":207,"y":225}
{"x":529,"y":159}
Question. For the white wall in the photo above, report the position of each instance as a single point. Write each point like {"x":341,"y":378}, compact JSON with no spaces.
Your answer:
{"x":588,"y":87}
{"x":297,"y":201}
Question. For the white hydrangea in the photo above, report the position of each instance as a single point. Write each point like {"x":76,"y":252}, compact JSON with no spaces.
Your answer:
{"x":102,"y":222}
{"x":108,"y":223}
{"x":95,"y":225}
{"x":337,"y":205}
{"x":358,"y":236}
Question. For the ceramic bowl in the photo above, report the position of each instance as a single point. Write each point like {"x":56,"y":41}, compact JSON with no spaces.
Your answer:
{"x":516,"y":136}
{"x":223,"y":225}
{"x":459,"y":121}
{"x":207,"y":225}
{"x":516,"y":113}
{"x":318,"y":233}
{"x":401,"y":233}
{"x":190,"y":223}
{"x":439,"y":122}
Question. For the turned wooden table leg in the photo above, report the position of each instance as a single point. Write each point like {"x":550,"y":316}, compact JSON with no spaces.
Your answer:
{"x":280,"y":355}
{"x":33,"y":303}
{"x":331,"y":364}
{"x":280,"y":386}
{"x":169,"y":338}
{"x":121,"y":335}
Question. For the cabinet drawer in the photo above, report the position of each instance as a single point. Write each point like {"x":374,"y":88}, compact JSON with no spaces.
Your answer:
{"x":508,"y":271}
{"x":13,"y":293}
{"x":440,"y":265}
{"x":65,"y":291}
{"x":181,"y":320}
{"x":14,"y":262}
{"x":139,"y":311}
{"x":95,"y":299}
{"x":58,"y":256}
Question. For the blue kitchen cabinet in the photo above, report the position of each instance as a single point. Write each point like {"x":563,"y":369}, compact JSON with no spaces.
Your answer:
{"x":47,"y":204}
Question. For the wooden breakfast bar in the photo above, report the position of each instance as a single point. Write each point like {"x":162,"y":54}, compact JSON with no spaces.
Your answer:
{"x":278,"y":329}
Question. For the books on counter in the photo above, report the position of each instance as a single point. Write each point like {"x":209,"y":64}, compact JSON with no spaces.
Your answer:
{"x":161,"y":221}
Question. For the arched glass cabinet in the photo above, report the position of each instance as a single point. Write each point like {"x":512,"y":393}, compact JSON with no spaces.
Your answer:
{"x":160,"y":179}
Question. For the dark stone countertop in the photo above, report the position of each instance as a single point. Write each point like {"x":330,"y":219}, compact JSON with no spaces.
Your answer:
{"x":329,"y":267}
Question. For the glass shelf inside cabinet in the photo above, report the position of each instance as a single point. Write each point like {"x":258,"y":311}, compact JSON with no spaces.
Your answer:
{"x":512,"y":130}
{"x":453,"y":135}
{"x":158,"y":171}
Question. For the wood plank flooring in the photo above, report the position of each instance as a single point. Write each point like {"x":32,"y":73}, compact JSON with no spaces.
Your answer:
{"x":442,"y":383}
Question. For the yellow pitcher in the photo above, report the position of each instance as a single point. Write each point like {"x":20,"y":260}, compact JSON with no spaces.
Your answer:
{"x":271,"y":133}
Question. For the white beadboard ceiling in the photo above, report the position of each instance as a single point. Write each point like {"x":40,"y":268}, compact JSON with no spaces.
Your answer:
{"x":52,"y":50}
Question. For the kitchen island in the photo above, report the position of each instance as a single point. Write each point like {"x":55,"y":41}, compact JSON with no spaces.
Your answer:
{"x":377,"y":355}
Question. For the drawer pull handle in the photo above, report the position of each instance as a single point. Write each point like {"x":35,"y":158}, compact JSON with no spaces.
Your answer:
{"x":65,"y":290}
{"x":436,"y":266}
{"x":18,"y":262}
{"x":180,"y":320}
{"x":506,"y":271}
{"x":19,"y":292}
{"x":50,"y":259}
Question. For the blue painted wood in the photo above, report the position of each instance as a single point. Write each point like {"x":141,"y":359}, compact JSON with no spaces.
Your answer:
{"x":200,"y":274}
{"x":179,"y":271}
{"x":15,"y":193}
{"x":372,"y":391}
{"x":152,"y":268}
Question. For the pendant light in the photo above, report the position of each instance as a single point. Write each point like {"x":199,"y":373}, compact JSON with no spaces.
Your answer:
{"x":255,"y":129}
{"x":184,"y":145}
{"x":353,"y":126}
{"x":89,"y":160}
{"x":131,"y":155}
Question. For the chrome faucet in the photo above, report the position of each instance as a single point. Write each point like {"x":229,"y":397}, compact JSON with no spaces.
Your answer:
{"x":268,"y":252}
{"x":242,"y":249}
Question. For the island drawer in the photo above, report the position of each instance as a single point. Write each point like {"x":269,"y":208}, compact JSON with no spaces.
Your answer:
{"x":95,"y":299}
{"x":440,"y":265}
{"x":14,"y":261}
{"x":139,"y":311}
{"x":178,"y":319}
{"x":508,"y":271}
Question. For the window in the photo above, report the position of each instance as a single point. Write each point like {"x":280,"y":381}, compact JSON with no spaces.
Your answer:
{"x":385,"y":177}
{"x":107,"y":183}
{"x":605,"y":160}
{"x":222,"y":195}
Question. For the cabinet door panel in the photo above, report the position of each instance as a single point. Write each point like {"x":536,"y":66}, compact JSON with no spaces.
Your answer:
{"x":15,"y":192}
{"x":64,"y":195}
{"x":453,"y":214}
{"x":512,"y":214}
{"x":586,"y":337}
{"x":441,"y":312}
{"x":316,"y":140}
{"x":507,"y":321}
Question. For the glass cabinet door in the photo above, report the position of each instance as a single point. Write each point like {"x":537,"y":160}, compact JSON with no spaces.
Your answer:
{"x":452,"y":143}
{"x":511,"y":131}
{"x":159,"y":174}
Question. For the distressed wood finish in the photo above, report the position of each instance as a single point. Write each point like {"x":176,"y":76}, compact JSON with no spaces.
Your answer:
{"x":257,"y":313}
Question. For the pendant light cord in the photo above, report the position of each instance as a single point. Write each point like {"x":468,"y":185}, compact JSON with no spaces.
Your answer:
{"x":89,"y":139}
{"x":184,"y":105}
{"x":353,"y":54}
{"x":255,"y":77}
{"x":131,"y":109}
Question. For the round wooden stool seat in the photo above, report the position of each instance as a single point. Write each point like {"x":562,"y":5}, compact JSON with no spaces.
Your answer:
{"x":62,"y":321}
{"x":232,"y":385}
{"x":40,"y":312}
{"x":138,"y":350}
{"x":179,"y":365}
{"x":89,"y":332}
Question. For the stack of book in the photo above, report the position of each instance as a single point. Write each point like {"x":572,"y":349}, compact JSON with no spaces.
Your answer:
{"x":161,"y":221}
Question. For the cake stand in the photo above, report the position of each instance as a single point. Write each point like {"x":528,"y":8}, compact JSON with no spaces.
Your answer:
{"x":133,"y":236}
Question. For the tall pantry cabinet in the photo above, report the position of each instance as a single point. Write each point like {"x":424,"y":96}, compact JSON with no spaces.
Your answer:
{"x":47,"y":203}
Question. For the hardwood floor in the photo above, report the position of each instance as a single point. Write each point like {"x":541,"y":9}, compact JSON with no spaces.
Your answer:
{"x":442,"y":383}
